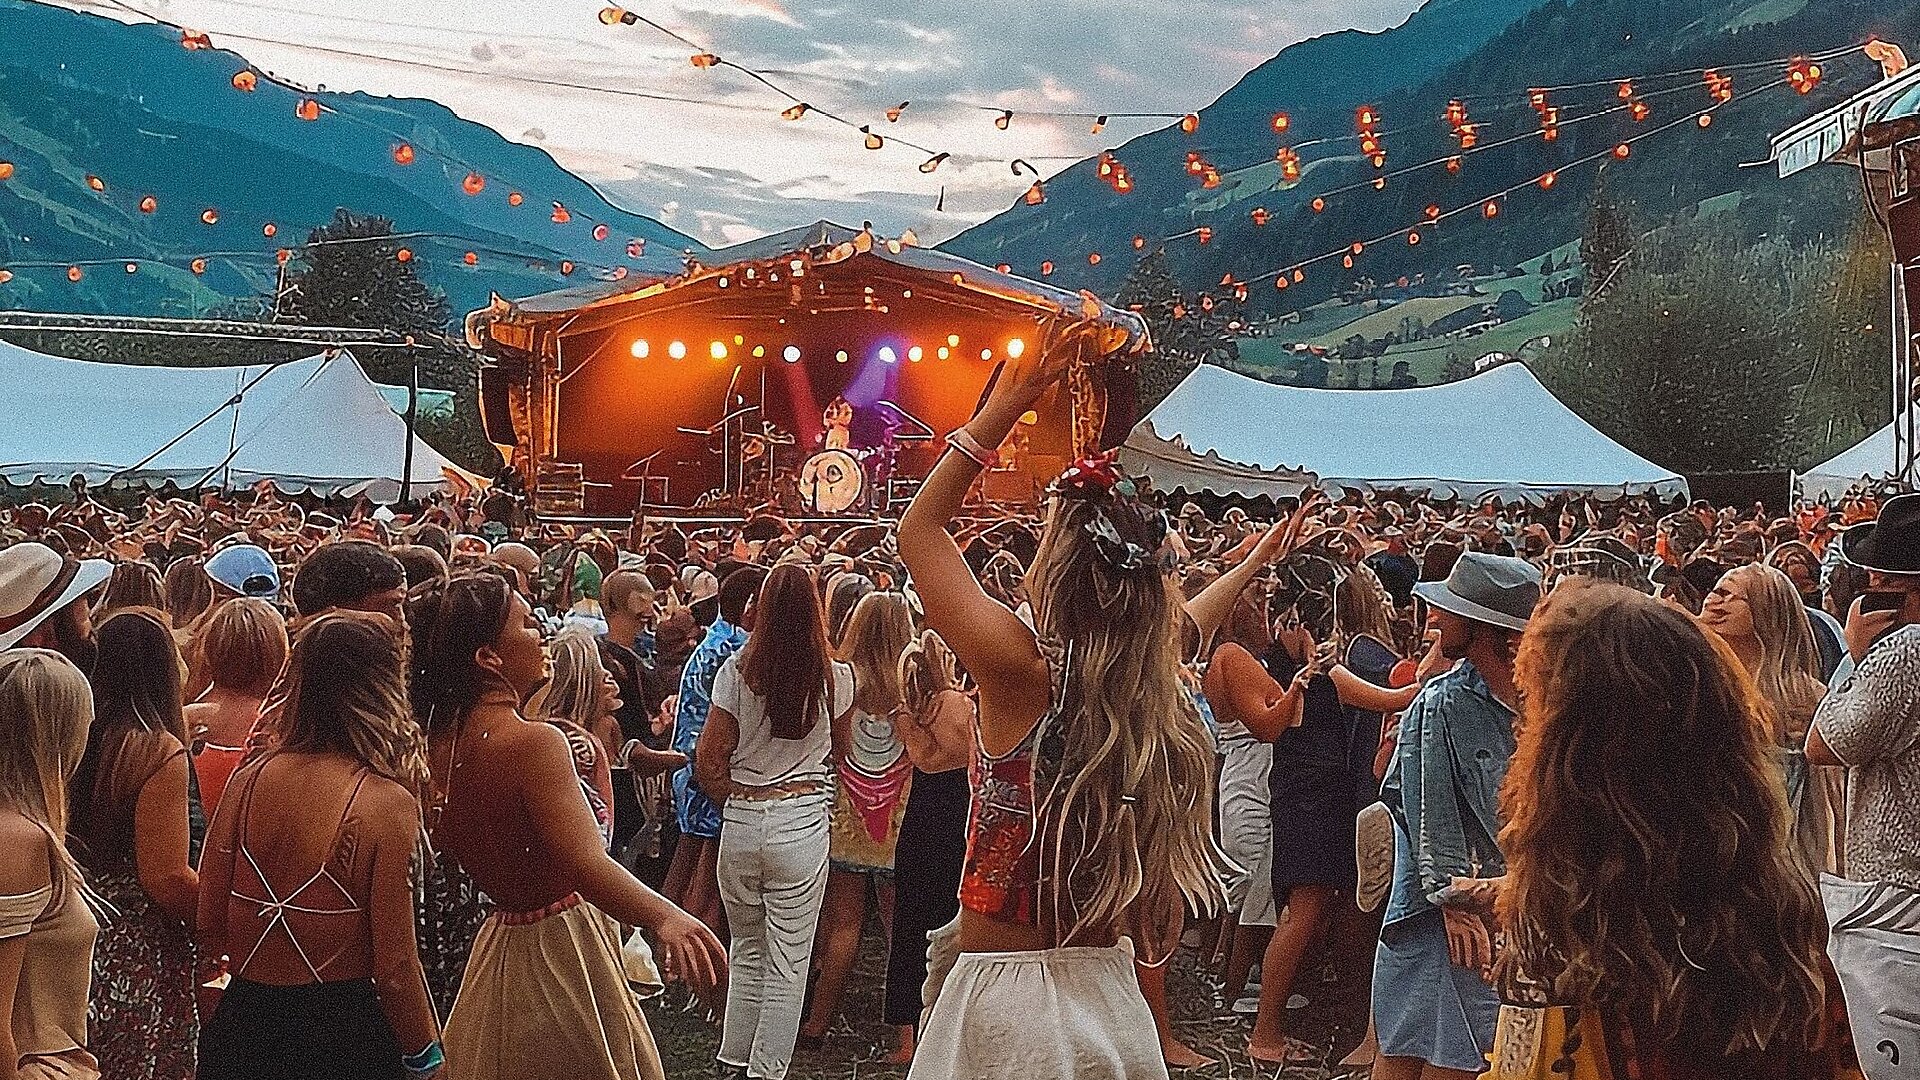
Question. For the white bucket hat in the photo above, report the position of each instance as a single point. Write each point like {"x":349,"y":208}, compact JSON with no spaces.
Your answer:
{"x":36,"y":581}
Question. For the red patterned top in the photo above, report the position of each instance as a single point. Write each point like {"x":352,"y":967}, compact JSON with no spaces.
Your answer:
{"x":1001,"y":875}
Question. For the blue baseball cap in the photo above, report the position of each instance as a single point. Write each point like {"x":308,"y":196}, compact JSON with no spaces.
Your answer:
{"x":245,"y":569}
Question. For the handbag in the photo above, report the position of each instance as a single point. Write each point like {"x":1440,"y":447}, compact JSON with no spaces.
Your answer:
{"x":1373,"y":855}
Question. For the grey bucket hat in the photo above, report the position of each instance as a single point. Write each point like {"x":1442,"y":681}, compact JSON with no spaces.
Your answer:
{"x":1491,"y":589}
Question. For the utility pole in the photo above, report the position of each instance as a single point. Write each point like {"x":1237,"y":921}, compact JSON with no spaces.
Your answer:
{"x":413,"y":413}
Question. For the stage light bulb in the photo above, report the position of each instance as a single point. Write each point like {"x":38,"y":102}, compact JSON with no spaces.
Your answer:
{"x":986,"y":354}
{"x":641,"y":349}
{"x":739,"y":340}
{"x":943,"y":352}
{"x":791,"y":354}
{"x":840,"y":357}
{"x":717,"y":350}
{"x":759,"y":351}
{"x":1016,"y":348}
{"x":914,"y":354}
{"x":677,"y":350}
{"x":887,"y":355}
{"x":953,"y":341}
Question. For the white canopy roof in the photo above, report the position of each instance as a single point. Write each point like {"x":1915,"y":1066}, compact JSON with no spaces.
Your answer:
{"x":1869,"y":459}
{"x":1496,"y":433}
{"x":315,"y":425}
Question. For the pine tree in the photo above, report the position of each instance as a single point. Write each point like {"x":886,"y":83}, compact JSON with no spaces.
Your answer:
{"x":351,"y":274}
{"x":1186,"y":332}
{"x":1606,"y":240}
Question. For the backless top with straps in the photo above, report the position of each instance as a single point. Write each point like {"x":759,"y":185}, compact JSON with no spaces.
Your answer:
{"x":272,"y":904}
{"x":1001,"y":875}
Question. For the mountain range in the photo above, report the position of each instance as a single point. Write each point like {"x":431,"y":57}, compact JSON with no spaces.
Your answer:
{"x":1488,"y":54}
{"x":86,"y":97}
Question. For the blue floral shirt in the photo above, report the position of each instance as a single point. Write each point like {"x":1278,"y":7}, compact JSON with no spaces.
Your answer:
{"x":698,"y":815}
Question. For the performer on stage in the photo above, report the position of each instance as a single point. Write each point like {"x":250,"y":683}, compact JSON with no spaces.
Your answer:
{"x":839,"y":422}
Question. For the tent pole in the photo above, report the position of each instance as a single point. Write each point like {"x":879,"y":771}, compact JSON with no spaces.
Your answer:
{"x":413,"y":411}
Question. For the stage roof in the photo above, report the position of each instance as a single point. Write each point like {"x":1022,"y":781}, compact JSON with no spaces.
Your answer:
{"x":316,"y":425}
{"x":1496,"y":433}
{"x":1865,"y":123}
{"x":823,"y":244}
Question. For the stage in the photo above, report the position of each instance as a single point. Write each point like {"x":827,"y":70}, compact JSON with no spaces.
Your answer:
{"x":813,"y":372}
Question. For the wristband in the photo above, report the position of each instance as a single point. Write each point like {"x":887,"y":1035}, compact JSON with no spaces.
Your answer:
{"x":962,"y":440}
{"x":426,"y":1061}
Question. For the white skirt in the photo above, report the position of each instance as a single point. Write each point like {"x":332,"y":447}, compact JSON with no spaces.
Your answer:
{"x":1246,"y":830}
{"x":1052,"y":1014}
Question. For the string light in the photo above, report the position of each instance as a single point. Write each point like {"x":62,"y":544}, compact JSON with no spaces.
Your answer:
{"x":6,"y":170}
{"x":245,"y":81}
{"x":795,"y":111}
{"x":308,"y":109}
{"x":791,"y":354}
{"x":717,"y":350}
{"x":473,"y":183}
{"x":148,"y":204}
{"x":614,"y":16}
{"x":1281,"y":122}
{"x":893,"y":114}
{"x":1004,"y":120}
{"x":932,"y":163}
{"x":677,"y":350}
{"x":873,"y":139}
{"x":403,"y":154}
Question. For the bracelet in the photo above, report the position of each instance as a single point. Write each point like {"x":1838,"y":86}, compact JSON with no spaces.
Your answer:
{"x":962,"y":440}
{"x":426,"y":1061}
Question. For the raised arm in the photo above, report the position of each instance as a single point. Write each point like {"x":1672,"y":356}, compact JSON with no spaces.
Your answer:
{"x":1367,"y":697}
{"x":1239,"y":688}
{"x":985,"y":636}
{"x":1210,"y":607}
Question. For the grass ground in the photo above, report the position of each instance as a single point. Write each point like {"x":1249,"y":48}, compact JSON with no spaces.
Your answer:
{"x":1334,"y":1018}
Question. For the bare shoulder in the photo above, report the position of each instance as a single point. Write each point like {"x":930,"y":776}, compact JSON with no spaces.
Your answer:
{"x":389,"y":808}
{"x":25,"y":851}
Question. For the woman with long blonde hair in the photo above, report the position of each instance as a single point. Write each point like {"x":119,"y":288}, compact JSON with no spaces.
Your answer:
{"x":1756,"y":610}
{"x":581,"y":701}
{"x":306,"y":886}
{"x":1654,"y":911}
{"x":46,"y":929}
{"x":869,"y":797}
{"x":1090,"y":823}
{"x":935,"y":723}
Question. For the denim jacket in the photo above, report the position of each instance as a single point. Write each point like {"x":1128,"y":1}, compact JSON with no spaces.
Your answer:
{"x":1443,"y":787}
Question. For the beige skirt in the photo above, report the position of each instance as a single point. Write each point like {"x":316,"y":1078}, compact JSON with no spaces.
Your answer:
{"x":545,"y":996}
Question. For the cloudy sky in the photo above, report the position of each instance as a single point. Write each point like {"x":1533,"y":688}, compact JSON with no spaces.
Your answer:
{"x":723,"y":166}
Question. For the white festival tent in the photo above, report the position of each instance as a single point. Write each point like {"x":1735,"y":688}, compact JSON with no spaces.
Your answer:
{"x":316,"y":425}
{"x":1869,"y":459}
{"x":1497,"y":433}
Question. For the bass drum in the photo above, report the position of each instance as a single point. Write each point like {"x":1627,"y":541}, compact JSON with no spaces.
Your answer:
{"x":831,"y":482}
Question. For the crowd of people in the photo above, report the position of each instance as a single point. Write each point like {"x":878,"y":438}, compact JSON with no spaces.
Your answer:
{"x":1605,"y":789}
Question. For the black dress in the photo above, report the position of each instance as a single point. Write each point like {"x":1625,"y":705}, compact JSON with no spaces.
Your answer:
{"x":926,"y":883}
{"x":1322,"y":776}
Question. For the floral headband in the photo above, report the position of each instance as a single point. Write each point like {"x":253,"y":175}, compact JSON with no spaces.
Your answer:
{"x":1098,"y":480}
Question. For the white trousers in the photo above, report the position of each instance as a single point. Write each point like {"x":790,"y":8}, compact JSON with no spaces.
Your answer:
{"x":1874,"y":943}
{"x":773,"y":874}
